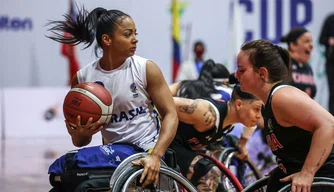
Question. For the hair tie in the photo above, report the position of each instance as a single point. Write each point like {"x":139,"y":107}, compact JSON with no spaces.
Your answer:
{"x":279,"y":48}
{"x":283,"y":55}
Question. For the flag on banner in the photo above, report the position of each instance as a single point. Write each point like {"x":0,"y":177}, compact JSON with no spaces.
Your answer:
{"x":68,"y":51}
{"x":236,"y":34}
{"x":176,"y":38}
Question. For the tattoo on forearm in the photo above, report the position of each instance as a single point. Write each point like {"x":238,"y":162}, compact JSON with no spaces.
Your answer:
{"x":321,"y":157}
{"x":189,"y":109}
{"x":210,"y":116}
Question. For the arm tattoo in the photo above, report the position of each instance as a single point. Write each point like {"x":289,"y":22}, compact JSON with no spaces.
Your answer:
{"x":210,"y":116}
{"x":189,"y":109}
{"x":321,"y":157}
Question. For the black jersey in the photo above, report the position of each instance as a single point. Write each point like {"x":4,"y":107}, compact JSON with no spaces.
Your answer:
{"x":290,"y":144}
{"x":302,"y":78}
{"x":190,"y":138}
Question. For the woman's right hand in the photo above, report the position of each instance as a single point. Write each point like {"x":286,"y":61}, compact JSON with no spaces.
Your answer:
{"x":84,"y":131}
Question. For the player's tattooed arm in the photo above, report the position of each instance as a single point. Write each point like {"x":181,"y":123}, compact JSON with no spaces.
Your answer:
{"x":321,"y":158}
{"x":210,"y":116}
{"x":196,"y":112}
{"x":190,"y":106}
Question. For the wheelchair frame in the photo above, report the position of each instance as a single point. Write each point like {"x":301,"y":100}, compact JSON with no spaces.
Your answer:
{"x":317,"y":181}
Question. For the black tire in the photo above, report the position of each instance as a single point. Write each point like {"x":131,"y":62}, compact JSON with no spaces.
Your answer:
{"x":259,"y":185}
{"x":323,"y":184}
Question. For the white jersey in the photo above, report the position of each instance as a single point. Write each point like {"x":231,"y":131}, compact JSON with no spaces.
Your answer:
{"x":134,"y":118}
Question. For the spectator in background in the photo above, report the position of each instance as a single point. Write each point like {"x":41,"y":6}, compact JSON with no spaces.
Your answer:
{"x":327,"y":39}
{"x":189,"y":70}
{"x":300,"y":46}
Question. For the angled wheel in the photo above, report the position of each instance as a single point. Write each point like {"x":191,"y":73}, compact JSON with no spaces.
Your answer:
{"x":125,"y":164}
{"x":245,"y":171}
{"x":169,"y":180}
{"x":258,"y":186}
{"x":320,"y":184}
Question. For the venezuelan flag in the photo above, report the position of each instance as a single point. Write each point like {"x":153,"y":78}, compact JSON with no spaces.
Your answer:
{"x":176,"y":38}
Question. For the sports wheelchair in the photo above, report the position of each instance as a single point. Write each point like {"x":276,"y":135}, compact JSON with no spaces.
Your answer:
{"x":124,"y":178}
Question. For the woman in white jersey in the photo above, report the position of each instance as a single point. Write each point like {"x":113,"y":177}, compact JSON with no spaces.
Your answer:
{"x":135,"y":83}
{"x":298,"y":130}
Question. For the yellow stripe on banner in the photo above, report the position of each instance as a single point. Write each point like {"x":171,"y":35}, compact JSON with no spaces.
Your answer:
{"x":176,"y":20}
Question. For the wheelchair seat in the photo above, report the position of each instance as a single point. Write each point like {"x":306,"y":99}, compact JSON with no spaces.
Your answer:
{"x":82,"y":180}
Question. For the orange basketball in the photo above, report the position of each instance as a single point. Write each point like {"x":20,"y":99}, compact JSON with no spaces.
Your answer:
{"x":88,"y":100}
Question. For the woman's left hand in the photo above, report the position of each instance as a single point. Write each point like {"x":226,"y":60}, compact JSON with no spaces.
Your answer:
{"x":242,"y":152}
{"x":151,"y":164}
{"x":301,"y":182}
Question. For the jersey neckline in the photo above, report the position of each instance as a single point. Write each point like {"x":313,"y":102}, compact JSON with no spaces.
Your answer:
{"x":118,"y":68}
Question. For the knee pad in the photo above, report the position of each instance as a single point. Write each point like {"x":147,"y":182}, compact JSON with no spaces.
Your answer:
{"x":201,"y":168}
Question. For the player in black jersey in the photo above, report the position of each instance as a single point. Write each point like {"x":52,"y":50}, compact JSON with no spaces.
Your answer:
{"x":300,"y":46}
{"x":298,"y":130}
{"x":205,"y":121}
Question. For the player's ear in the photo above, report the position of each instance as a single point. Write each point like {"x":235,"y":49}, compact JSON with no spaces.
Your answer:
{"x":106,"y":40}
{"x":263,"y":72}
{"x":238,"y":104}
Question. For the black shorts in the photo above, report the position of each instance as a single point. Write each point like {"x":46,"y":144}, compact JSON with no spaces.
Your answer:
{"x":274,"y":184}
{"x":184,"y":157}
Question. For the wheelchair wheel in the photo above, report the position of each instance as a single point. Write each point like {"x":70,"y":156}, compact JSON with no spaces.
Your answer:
{"x":245,"y":171}
{"x":125,"y":164}
{"x":169,"y":180}
{"x":320,"y":184}
{"x":258,"y":186}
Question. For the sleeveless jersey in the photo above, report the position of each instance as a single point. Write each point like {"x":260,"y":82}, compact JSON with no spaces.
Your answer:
{"x":302,"y":78}
{"x":289,"y":144}
{"x":190,"y":138}
{"x":134,"y":118}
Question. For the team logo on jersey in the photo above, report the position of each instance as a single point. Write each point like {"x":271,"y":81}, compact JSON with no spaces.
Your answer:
{"x":99,"y":82}
{"x":270,"y":125}
{"x":133,"y":89}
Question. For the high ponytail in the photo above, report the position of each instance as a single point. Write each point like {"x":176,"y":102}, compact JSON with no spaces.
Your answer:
{"x":86,"y":27}
{"x":78,"y":29}
{"x":206,"y":71}
{"x":285,"y":55}
{"x":201,"y":87}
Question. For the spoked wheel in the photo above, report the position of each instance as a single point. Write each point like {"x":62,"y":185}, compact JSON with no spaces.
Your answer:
{"x":169,"y":180}
{"x":320,"y":184}
{"x":258,"y":186}
{"x":245,"y":171}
